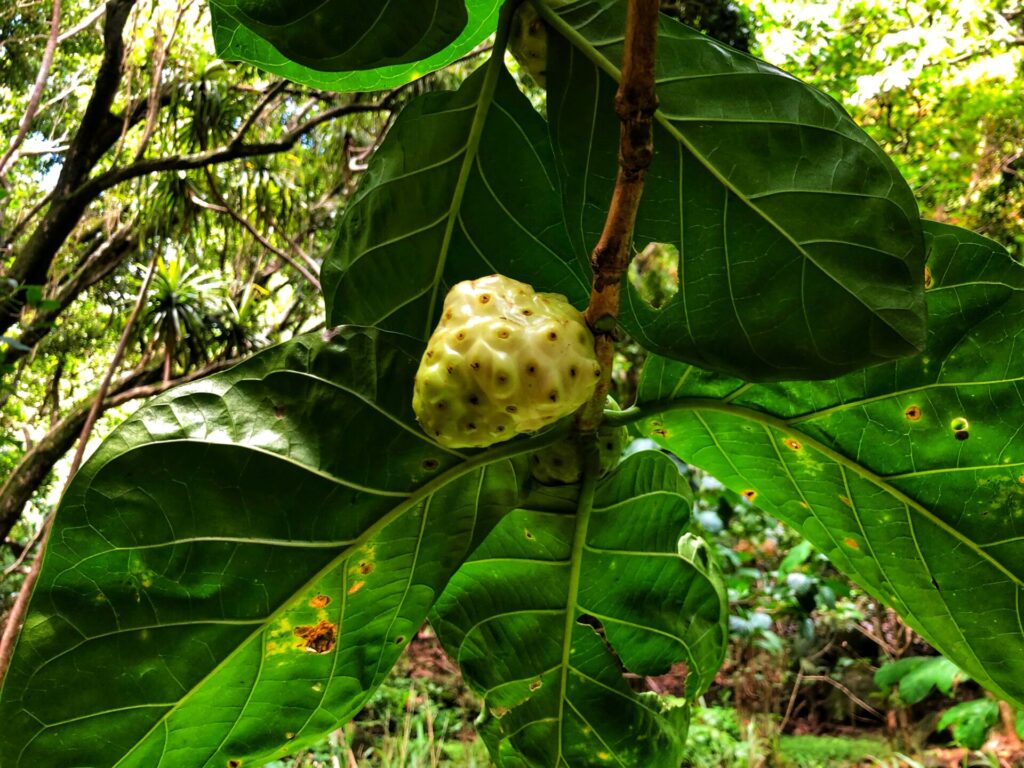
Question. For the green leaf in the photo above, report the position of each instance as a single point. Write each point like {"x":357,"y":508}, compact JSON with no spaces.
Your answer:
{"x":970,"y":721}
{"x":909,"y":476}
{"x":233,"y":573}
{"x":236,"y":42}
{"x":800,"y":248}
{"x":917,"y":676}
{"x":462,"y":187}
{"x":567,"y":592}
{"x":345,"y":35}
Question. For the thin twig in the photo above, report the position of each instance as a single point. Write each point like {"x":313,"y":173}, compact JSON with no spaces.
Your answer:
{"x":18,"y":611}
{"x":37,"y":90}
{"x":635,"y":104}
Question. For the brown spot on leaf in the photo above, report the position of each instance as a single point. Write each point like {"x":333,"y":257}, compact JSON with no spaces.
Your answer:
{"x":234,"y":764}
{"x":356,"y":587}
{"x":365,"y":568}
{"x":320,"y":601}
{"x":852,"y":544}
{"x":430,"y":464}
{"x":913,"y":413}
{"x":318,"y":639}
{"x":528,"y":534}
{"x":536,"y":684}
{"x":929,"y":281}
{"x":846,"y":500}
{"x":962,"y":435}
{"x":750,"y":494}
{"x":792,"y":444}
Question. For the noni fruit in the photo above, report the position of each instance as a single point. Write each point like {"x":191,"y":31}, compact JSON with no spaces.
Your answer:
{"x":562,"y":463}
{"x":503,"y":360}
{"x":528,"y":40}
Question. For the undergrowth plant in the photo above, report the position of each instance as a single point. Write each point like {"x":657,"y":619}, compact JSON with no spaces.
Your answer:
{"x":237,"y":568}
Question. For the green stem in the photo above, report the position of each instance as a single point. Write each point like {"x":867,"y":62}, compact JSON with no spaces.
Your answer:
{"x":584,"y":508}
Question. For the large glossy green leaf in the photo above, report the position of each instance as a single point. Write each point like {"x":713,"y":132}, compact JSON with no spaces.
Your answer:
{"x":347,"y":63}
{"x":462,"y":187}
{"x":233,"y":572}
{"x":909,"y":475}
{"x":346,"y":35}
{"x":800,"y":250}
{"x":568,"y":591}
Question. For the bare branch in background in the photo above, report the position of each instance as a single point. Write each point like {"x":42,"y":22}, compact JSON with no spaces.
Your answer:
{"x":37,"y":91}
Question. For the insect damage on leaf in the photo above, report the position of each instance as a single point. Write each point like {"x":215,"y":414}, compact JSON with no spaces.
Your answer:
{"x":319,"y":638}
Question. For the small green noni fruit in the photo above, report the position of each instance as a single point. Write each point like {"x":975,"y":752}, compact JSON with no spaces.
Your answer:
{"x":528,"y":40}
{"x":503,"y":360}
{"x":562,"y":463}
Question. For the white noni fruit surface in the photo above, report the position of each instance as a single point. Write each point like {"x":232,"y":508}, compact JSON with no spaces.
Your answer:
{"x":503,"y":360}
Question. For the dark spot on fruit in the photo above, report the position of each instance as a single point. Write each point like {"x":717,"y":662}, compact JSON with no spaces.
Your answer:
{"x":511,"y":408}
{"x":451,"y":369}
{"x":913,"y":413}
{"x":572,"y":371}
{"x":470,"y":426}
{"x":280,"y":411}
{"x":527,"y":312}
{"x":553,"y":397}
{"x":553,"y":336}
{"x":460,"y":335}
{"x":320,"y":601}
{"x":474,"y":400}
{"x":503,"y":334}
{"x":502,"y":378}
{"x":556,"y":461}
{"x":441,"y":405}
{"x":430,"y":353}
{"x":430,"y":464}
{"x":317,"y":639}
{"x":474,"y":365}
{"x":597,"y":372}
{"x":609,"y":446}
{"x":500,"y":428}
{"x":531,"y":368}
{"x":484,"y":298}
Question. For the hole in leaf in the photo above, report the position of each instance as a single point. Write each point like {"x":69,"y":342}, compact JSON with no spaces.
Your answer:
{"x":654,"y":274}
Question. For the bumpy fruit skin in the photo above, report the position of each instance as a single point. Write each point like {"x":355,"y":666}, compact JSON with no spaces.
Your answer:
{"x":562,"y":464}
{"x":503,"y":360}
{"x":528,"y":40}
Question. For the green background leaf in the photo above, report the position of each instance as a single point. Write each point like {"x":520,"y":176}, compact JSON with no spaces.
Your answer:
{"x":235,"y":42}
{"x":345,"y":35}
{"x":233,"y":573}
{"x":520,"y":618}
{"x":909,"y":476}
{"x":462,"y":187}
{"x":800,"y":250}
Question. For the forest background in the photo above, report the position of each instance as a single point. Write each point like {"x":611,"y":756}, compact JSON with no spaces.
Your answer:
{"x":134,"y":163}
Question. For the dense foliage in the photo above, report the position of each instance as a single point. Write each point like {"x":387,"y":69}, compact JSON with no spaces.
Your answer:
{"x":234,"y":572}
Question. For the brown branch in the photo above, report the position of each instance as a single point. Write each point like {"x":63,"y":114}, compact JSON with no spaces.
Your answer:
{"x":635,"y":104}
{"x":91,"y":189}
{"x":37,"y":90}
